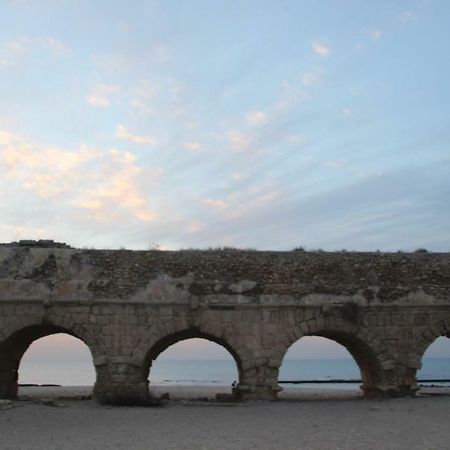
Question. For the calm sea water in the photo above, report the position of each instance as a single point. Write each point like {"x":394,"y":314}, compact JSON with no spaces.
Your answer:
{"x":217,"y":372}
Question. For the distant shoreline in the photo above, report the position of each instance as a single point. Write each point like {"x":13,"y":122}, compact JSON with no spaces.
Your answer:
{"x":207,"y":393}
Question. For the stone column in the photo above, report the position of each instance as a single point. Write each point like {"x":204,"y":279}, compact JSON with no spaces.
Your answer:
{"x":8,"y":379}
{"x":121,"y":383}
{"x":259,"y":381}
{"x":394,"y":380}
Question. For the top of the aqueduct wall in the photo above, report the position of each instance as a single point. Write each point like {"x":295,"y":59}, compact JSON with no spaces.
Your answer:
{"x":53,"y":272}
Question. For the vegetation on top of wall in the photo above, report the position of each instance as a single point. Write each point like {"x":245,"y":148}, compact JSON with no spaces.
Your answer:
{"x":219,"y":249}
{"x":47,"y":243}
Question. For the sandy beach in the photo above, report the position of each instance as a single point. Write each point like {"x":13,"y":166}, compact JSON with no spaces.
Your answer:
{"x":45,"y":418}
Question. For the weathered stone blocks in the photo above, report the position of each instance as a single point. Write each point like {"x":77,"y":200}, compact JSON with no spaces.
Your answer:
{"x":386,"y":309}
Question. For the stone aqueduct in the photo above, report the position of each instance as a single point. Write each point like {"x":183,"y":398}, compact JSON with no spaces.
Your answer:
{"x":128,"y":306}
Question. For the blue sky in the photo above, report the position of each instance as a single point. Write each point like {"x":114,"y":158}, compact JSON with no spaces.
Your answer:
{"x":265,"y":124}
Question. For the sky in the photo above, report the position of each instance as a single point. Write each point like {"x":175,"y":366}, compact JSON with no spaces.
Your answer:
{"x":255,"y":124}
{"x":64,"y":359}
{"x":68,"y":348}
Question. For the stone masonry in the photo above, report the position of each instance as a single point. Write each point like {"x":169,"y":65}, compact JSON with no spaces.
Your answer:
{"x":129,"y":306}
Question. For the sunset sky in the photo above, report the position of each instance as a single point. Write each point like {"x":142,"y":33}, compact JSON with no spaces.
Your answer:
{"x":64,"y":359}
{"x":265,"y":124}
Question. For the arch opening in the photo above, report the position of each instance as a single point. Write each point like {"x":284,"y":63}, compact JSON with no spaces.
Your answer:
{"x":192,"y":365}
{"x":434,"y":375}
{"x":328,"y":364}
{"x":44,"y":360}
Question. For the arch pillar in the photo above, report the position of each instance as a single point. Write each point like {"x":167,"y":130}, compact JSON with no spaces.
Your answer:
{"x":11,"y":352}
{"x":259,"y":380}
{"x":119,"y":382}
{"x":8,"y":379}
{"x":396,"y":376}
{"x":412,"y":350}
{"x":390,"y":385}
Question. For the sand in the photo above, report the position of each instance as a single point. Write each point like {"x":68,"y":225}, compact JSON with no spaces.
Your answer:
{"x":322,"y":420}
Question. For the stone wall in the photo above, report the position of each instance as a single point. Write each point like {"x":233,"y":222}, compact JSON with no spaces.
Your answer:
{"x":128,"y":306}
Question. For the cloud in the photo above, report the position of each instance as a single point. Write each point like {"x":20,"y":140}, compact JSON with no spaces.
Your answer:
{"x":376,"y":35}
{"x":106,"y":183}
{"x":100,"y":95}
{"x":215,"y":203}
{"x":296,"y":139}
{"x":141,"y":106}
{"x":408,"y":16}
{"x":193,"y":145}
{"x":346,"y":111}
{"x":7,"y":138}
{"x":320,"y":49}
{"x":334,"y":164}
{"x":256,"y":118}
{"x":47,"y":171}
{"x":194,"y":227}
{"x":125,"y":135}
{"x":241,"y":202}
{"x":17,"y":232}
{"x":15,"y":49}
{"x":12,"y":51}
{"x":118,"y":189}
{"x":237,"y":176}
{"x":24,"y":232}
{"x":310,"y":78}
{"x":55,"y":45}
{"x":142,"y":97}
{"x":240,"y":141}
{"x":144,"y":89}
{"x":162,"y":53}
{"x":175,"y":92}
{"x":291,"y":94}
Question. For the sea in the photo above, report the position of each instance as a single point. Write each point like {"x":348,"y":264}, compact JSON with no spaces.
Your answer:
{"x":223,"y":372}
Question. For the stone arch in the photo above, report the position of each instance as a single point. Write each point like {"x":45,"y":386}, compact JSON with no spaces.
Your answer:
{"x":423,"y":342}
{"x":374,"y":361}
{"x":430,"y":334}
{"x":87,"y":333}
{"x":14,"y":346}
{"x":166,"y":341}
